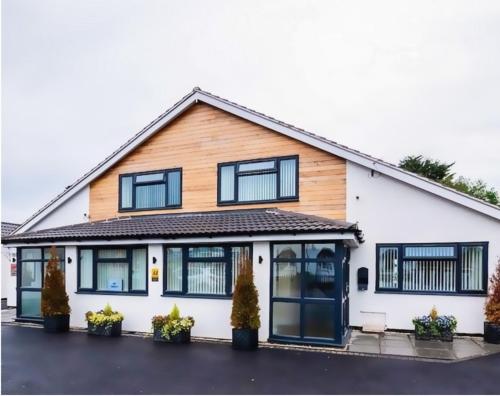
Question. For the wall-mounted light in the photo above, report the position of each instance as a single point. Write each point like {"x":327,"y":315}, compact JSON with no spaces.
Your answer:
{"x":13,"y":259}
{"x":69,"y":260}
{"x":154,"y":260}
{"x":260,"y":259}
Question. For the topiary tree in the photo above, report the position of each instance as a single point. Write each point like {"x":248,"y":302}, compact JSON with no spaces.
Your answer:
{"x":54,"y":297}
{"x":245,"y":312}
{"x":492,"y":307}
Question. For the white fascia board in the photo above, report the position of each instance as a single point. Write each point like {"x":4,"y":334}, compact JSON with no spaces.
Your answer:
{"x":348,"y":237}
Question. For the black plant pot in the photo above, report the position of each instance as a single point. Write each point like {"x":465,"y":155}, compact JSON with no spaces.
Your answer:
{"x":184,"y":337}
{"x":245,"y":339}
{"x":492,"y":333}
{"x":56,"y":323}
{"x":115,"y":330}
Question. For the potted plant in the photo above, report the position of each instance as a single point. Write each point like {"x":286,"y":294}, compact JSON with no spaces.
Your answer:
{"x":245,"y":318}
{"x":54,"y":306}
{"x":105,"y":322}
{"x":435,"y":327}
{"x":492,"y":309}
{"x":172,"y":328}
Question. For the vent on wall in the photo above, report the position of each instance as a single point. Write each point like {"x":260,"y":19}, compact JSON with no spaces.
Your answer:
{"x":373,"y":322}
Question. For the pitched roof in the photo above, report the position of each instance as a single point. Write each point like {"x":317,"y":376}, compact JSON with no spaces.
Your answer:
{"x":8,"y":228}
{"x":198,"y":224}
{"x":198,"y":95}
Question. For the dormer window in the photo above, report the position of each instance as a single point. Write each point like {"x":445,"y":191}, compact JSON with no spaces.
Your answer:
{"x":151,"y":190}
{"x":256,"y":181}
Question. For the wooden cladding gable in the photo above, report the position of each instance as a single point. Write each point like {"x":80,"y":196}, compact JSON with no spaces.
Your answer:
{"x":203,"y":137}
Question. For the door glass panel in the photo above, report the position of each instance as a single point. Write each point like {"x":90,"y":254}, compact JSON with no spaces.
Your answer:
{"x":287,"y":251}
{"x":320,"y":279}
{"x":286,"y":279}
{"x":31,"y":254}
{"x":31,"y":303}
{"x":286,"y":319}
{"x":31,"y":274}
{"x":318,"y":321}
{"x":59,"y":252}
{"x":320,"y":251}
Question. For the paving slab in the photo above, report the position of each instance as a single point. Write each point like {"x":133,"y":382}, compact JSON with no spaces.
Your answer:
{"x":398,"y":351}
{"x":364,"y":348}
{"x":466,"y":348}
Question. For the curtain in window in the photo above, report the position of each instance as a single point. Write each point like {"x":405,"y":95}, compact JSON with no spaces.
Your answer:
{"x":388,"y":268}
{"x":111,"y":274}
{"x":126,"y":192}
{"x":150,"y":196}
{"x":86,"y":263}
{"x":238,"y":254}
{"x":429,"y":275}
{"x":174,"y":188}
{"x":174,"y":269}
{"x":257,"y":187}
{"x":206,"y":278}
{"x":472,"y":268}
{"x":287,"y":178}
{"x":139,"y":269}
{"x":227,"y":183}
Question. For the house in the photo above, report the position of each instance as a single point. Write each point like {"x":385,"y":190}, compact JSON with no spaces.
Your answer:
{"x":338,"y":239}
{"x":8,"y":268}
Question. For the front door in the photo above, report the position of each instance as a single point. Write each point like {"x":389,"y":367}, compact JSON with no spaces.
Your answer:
{"x":32,"y":263}
{"x":306,"y":292}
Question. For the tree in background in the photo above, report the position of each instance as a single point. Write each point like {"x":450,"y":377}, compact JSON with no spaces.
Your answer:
{"x":441,"y":173}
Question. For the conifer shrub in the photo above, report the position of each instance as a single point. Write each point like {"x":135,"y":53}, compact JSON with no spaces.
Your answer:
{"x":54,"y":297}
{"x":245,"y":311}
{"x":492,"y":307}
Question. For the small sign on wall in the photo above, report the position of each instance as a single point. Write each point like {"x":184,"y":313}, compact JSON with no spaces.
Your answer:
{"x":13,"y":269}
{"x":155,"y":274}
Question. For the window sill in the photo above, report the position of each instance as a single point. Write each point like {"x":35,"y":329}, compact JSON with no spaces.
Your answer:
{"x":148,"y":209}
{"x":202,"y":296}
{"x":106,"y":293}
{"x":452,"y":294}
{"x":258,"y":202}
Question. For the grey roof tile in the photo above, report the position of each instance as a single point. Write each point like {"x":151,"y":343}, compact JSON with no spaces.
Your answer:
{"x":8,"y":228}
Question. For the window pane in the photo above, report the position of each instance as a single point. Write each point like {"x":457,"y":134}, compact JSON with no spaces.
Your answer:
{"x":227,"y":183}
{"x":112,"y":276}
{"x":139,"y":269}
{"x":60,"y":253}
{"x":286,"y":319}
{"x":388,"y":268}
{"x":429,"y":251}
{"x":149,"y":177}
{"x":112,"y":253}
{"x":150,"y":196}
{"x":174,"y":269}
{"x":287,"y":251}
{"x":256,"y":166}
{"x":206,"y":251}
{"x":286,"y":279}
{"x":320,"y":251}
{"x":287,"y":178}
{"x":320,"y":280}
{"x":174,"y":188}
{"x":31,"y":274}
{"x":31,"y":303}
{"x":31,"y":254}
{"x":207,"y":278}
{"x":126,"y":191}
{"x":429,"y":275}
{"x":318,"y":321}
{"x":238,"y":255}
{"x":472,"y":268}
{"x":257,"y":187}
{"x":86,"y":258}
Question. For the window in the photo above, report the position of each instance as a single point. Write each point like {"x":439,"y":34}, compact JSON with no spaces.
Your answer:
{"x":113,"y":270}
{"x":433,"y":268}
{"x":203,"y":270}
{"x":151,"y":190}
{"x":268,"y":180}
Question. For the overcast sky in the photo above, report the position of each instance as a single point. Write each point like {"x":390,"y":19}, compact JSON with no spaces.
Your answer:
{"x":387,"y":78}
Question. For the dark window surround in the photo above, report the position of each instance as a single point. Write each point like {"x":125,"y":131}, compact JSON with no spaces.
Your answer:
{"x":258,"y":172}
{"x":134,"y":184}
{"x":457,"y":257}
{"x":185,"y":259}
{"x":129,"y":249}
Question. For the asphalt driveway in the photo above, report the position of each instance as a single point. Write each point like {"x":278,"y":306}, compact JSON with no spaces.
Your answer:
{"x":74,"y":363}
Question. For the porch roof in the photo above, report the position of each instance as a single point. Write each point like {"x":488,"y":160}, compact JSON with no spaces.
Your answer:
{"x":197,"y":224}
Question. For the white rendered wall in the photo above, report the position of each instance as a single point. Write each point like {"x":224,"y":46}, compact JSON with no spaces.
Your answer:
{"x":389,"y":211}
{"x":212,"y":316}
{"x":73,"y":211}
{"x":8,"y":281}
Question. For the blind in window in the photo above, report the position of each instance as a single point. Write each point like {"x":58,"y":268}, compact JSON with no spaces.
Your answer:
{"x":472,"y":268}
{"x":388,"y":268}
{"x":86,"y":265}
{"x":206,"y":278}
{"x":429,"y":275}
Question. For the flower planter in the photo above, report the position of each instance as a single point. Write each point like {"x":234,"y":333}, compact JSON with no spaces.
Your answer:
{"x":245,"y":339}
{"x":184,"y":337}
{"x":492,"y":333}
{"x":446,"y":336}
{"x":56,"y":323}
{"x":114,"y":330}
